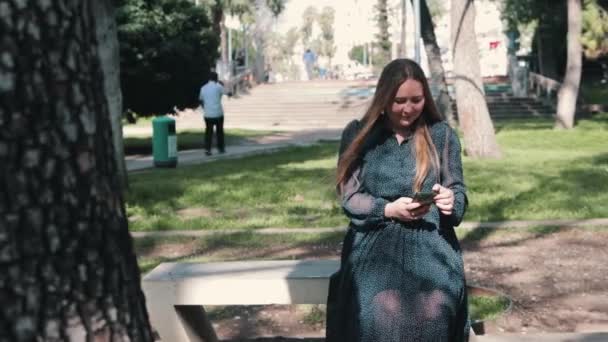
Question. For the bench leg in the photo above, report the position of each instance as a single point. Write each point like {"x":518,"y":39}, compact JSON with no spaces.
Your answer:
{"x":180,"y":323}
{"x":196,"y":323}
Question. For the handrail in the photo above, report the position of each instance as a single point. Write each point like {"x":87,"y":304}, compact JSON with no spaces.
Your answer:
{"x":544,"y":81}
{"x":539,"y":85}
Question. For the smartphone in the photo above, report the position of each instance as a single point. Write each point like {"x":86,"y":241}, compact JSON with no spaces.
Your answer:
{"x":424,"y":197}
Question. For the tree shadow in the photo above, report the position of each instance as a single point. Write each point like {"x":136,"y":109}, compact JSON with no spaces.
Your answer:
{"x":259,"y":169}
{"x":574,"y":183}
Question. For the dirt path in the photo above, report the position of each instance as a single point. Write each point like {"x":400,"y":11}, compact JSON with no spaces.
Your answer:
{"x":557,"y":279}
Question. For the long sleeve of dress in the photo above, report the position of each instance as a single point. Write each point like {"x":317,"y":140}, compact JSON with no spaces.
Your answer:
{"x":362,"y":208}
{"x":452,"y":176}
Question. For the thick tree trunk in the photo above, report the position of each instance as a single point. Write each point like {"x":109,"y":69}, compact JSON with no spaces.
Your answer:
{"x":473,"y":114}
{"x":568,"y":92}
{"x":444,"y":103}
{"x":108,"y":50}
{"x":67,"y":267}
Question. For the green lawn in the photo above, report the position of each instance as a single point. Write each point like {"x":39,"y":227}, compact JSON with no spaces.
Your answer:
{"x":545,"y":174}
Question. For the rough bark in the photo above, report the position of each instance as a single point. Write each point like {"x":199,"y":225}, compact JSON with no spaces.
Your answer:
{"x":568,"y":92}
{"x":108,"y":51}
{"x":67,"y":267}
{"x":473,"y":114}
{"x":444,"y":102}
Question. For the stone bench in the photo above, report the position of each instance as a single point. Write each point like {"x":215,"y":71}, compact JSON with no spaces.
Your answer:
{"x":177,"y":292}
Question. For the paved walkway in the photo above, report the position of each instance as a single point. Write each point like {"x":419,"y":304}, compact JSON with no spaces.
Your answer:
{"x":257,"y":145}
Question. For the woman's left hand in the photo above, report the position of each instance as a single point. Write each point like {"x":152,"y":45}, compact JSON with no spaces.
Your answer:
{"x":444,"y":200}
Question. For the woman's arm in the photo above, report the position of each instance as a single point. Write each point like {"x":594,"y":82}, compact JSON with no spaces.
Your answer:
{"x":452,"y":176}
{"x":358,"y":205}
{"x":362,"y":208}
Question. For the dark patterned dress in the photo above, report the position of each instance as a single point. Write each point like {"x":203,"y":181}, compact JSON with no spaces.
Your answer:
{"x":399,"y":281}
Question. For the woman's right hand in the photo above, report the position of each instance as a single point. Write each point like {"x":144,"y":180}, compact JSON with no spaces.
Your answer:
{"x":405,"y":209}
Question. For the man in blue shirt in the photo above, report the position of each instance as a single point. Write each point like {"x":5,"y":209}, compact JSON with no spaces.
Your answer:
{"x":210,"y":97}
{"x":309,"y":59}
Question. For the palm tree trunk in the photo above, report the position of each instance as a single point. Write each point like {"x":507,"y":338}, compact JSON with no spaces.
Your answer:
{"x":568,"y":92}
{"x":473,"y":114}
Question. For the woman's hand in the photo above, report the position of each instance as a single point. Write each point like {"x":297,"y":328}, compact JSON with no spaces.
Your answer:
{"x":404,"y":209}
{"x":444,"y":200}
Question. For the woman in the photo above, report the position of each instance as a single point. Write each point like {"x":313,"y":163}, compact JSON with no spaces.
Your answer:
{"x":401,"y":276}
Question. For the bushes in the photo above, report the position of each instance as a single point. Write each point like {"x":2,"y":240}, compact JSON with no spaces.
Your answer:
{"x":167,"y":48}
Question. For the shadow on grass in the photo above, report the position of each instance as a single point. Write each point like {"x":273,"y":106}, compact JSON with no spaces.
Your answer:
{"x":578,"y":186}
{"x":245,"y":183}
{"x":239,"y":246}
{"x":186,"y":140}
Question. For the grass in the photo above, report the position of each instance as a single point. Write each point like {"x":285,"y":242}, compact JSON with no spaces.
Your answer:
{"x":545,"y":174}
{"x":482,"y":308}
{"x":189,"y":139}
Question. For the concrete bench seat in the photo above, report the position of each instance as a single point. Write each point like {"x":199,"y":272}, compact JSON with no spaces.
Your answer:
{"x":177,"y":292}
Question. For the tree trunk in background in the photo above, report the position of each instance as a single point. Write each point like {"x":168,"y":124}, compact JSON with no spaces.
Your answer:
{"x":262,"y":24}
{"x":68,"y":271}
{"x":568,"y":92}
{"x":224,"y":41}
{"x":108,"y":51}
{"x":444,"y":102}
{"x":403,"y":35}
{"x":473,"y":114}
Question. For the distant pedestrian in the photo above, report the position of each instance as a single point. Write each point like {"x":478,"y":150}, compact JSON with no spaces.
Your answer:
{"x":309,"y":59}
{"x":210,"y":97}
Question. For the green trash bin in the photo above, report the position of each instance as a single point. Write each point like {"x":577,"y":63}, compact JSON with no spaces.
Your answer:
{"x":164,"y":142}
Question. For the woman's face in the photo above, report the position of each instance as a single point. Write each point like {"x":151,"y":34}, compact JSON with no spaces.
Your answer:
{"x":407,"y":105}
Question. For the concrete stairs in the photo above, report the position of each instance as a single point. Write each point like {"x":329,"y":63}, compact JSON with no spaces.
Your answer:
{"x":504,"y":106}
{"x":299,"y":106}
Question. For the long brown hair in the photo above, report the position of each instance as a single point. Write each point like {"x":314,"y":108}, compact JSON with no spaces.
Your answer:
{"x":391,"y":78}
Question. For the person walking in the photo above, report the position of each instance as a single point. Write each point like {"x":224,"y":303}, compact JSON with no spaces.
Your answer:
{"x":210,"y":97}
{"x":400,"y":177}
{"x":309,"y":59}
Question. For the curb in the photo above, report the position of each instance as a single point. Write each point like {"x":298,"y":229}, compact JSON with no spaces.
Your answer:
{"x":597,"y":222}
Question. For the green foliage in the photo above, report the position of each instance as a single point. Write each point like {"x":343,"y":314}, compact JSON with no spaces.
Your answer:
{"x":383,"y":36}
{"x":276,"y":6}
{"x":308,"y":19}
{"x":595,"y":21}
{"x":326,"y":22}
{"x":167,"y":48}
{"x":595,"y":30}
{"x":357,"y":53}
